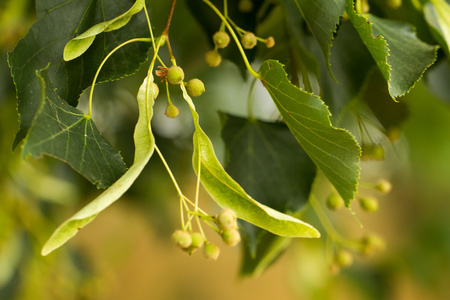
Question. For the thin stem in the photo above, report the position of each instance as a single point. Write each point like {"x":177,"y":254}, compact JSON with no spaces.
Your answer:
{"x":166,"y":31}
{"x":169,"y":171}
{"x":233,"y":34}
{"x":168,"y":93}
{"x":149,"y":26}
{"x":182,"y":213}
{"x":104,"y":61}
{"x":331,"y":231}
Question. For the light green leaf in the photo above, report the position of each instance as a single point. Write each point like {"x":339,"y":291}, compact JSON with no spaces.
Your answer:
{"x":400,"y":55}
{"x":437,"y":14}
{"x":334,"y":151}
{"x":144,"y":147}
{"x":64,"y":132}
{"x":229,"y":194}
{"x":322,"y":17}
{"x":78,"y":45}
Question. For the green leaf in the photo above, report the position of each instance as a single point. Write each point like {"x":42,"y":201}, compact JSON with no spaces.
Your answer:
{"x":322,"y":17}
{"x":57,"y":23}
{"x":437,"y":14}
{"x":390,"y":114}
{"x":333,"y":150}
{"x":78,"y":45}
{"x":400,"y":55}
{"x":229,"y":194}
{"x":256,"y":151}
{"x":64,"y":132}
{"x":350,"y":63}
{"x":144,"y":146}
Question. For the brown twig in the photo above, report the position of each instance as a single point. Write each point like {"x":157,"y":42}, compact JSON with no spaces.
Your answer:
{"x":166,"y":31}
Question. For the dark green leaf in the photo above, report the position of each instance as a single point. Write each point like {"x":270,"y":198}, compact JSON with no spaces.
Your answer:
{"x":57,"y":23}
{"x":64,"y":132}
{"x":229,"y":194}
{"x":144,"y":143}
{"x":322,"y":17}
{"x":333,"y":150}
{"x":267,"y":161}
{"x":400,"y":55}
{"x":389,"y":113}
{"x":350,"y":63}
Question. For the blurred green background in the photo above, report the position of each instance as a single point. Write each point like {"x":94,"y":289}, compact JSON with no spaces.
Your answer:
{"x":127,"y":253}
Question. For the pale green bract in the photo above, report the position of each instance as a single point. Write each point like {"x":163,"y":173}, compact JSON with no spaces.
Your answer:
{"x":229,"y":194}
{"x":144,"y":147}
{"x":437,"y":14}
{"x":78,"y":45}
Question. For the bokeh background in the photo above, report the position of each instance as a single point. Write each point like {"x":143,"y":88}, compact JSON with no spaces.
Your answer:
{"x":126,"y":253}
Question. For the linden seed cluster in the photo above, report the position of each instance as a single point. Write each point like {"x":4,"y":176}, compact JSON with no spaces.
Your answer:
{"x":190,"y":241}
{"x":175,"y":75}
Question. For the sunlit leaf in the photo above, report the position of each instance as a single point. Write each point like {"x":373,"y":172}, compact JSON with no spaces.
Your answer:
{"x":144,"y":146}
{"x":437,"y":14}
{"x":64,"y":132}
{"x":57,"y":23}
{"x":78,"y":45}
{"x":334,"y":151}
{"x":400,"y":55}
{"x":229,"y":194}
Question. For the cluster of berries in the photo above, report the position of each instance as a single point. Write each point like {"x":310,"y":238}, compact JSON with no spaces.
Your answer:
{"x":369,"y":244}
{"x":175,"y":75}
{"x":368,"y":204}
{"x":221,"y":40}
{"x":228,"y":229}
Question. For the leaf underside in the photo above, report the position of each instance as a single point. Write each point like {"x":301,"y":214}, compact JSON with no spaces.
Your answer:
{"x":334,"y":151}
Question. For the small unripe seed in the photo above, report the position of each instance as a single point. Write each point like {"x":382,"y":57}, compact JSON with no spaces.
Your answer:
{"x":213,"y":58}
{"x":369,"y":204}
{"x":227,"y":219}
{"x":182,"y":238}
{"x":155,"y":90}
{"x":245,"y":6}
{"x":394,"y":3}
{"x":248,"y":40}
{"x":175,"y":75}
{"x":221,"y":39}
{"x":195,"y":87}
{"x":211,"y":251}
{"x":172,"y":111}
{"x":270,"y":42}
{"x":372,"y":244}
{"x":383,"y":186}
{"x":197,"y":240}
{"x":343,"y":258}
{"x":334,"y":202}
{"x":231,"y":237}
{"x":372,"y":152}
